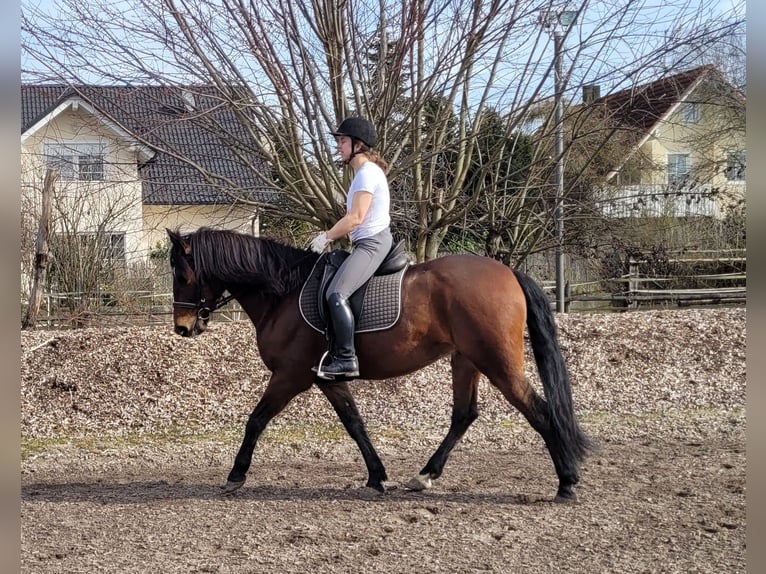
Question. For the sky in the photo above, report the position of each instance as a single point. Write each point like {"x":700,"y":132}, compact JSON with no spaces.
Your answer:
{"x":589,"y":68}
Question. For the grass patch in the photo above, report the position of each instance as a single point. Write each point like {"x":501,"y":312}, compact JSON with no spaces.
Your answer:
{"x":295,"y":433}
{"x":274,"y":435}
{"x":733,"y":414}
{"x":292,"y":434}
{"x":389,"y":433}
{"x":98,"y":444}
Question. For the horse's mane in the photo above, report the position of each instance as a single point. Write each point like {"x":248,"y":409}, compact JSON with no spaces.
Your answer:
{"x":238,"y":259}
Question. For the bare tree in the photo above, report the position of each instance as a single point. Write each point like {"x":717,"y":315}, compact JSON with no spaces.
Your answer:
{"x":40,"y":268}
{"x":88,"y":227}
{"x":424,"y":71}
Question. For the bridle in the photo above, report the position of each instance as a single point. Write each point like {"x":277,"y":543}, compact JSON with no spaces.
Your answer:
{"x":203,"y":309}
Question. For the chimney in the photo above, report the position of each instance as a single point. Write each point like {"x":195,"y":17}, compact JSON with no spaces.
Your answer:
{"x":590,"y":93}
{"x":190,"y":102}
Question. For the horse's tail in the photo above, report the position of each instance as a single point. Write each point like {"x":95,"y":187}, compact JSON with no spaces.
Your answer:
{"x":575,"y":444}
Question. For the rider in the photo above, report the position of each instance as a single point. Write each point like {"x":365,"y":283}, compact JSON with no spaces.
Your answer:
{"x":367,"y":222}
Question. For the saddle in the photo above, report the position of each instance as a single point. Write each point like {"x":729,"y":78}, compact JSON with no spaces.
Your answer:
{"x":376,"y":305}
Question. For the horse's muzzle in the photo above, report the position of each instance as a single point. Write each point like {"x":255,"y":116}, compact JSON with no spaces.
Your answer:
{"x":196,"y":327}
{"x":183,"y":331}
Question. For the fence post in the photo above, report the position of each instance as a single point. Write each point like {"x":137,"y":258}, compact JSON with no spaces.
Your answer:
{"x":41,"y":253}
{"x":633,"y":274}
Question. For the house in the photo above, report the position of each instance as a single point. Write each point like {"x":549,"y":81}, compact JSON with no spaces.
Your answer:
{"x":676,"y":146}
{"x":134,"y":160}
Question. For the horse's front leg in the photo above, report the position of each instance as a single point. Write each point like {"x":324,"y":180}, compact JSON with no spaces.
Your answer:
{"x":465,"y":384}
{"x":339,"y":395}
{"x":281,"y":389}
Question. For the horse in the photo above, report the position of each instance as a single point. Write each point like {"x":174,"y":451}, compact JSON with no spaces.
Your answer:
{"x":470,"y":307}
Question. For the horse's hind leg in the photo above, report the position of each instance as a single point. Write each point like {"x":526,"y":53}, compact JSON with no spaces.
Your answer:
{"x":279,"y":392}
{"x":517,"y":390}
{"x":340,"y":397}
{"x":465,"y":383}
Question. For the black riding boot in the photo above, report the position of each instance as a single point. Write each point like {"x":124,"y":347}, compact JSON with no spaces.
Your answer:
{"x":344,"y":362}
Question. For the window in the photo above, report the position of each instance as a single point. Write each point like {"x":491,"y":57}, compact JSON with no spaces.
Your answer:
{"x":107,"y":247}
{"x":630,"y":173}
{"x":77,"y":161}
{"x":678,"y":168}
{"x":114,"y":247}
{"x":691,"y":113}
{"x":735,"y":166}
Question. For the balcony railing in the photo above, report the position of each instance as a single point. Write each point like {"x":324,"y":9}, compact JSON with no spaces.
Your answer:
{"x":658,"y":201}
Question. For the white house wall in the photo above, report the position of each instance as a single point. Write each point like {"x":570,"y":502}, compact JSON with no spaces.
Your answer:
{"x":84,"y":205}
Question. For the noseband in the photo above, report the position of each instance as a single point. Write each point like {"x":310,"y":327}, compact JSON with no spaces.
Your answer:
{"x":203,"y":309}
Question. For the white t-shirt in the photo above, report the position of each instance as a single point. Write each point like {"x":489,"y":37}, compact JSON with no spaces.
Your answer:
{"x":372,"y":179}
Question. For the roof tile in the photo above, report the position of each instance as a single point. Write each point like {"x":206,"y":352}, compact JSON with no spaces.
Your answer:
{"x":643,"y":106}
{"x":209,"y":133}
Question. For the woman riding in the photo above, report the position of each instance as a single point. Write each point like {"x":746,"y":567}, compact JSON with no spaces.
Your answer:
{"x":367,"y":222}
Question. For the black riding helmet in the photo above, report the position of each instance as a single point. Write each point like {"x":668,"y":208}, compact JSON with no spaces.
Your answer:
{"x":358,"y":129}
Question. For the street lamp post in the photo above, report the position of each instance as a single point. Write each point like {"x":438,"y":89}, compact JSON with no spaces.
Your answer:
{"x":566,"y":19}
{"x":558,"y":212}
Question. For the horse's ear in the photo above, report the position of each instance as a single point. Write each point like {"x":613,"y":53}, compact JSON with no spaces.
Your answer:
{"x":178,"y":241}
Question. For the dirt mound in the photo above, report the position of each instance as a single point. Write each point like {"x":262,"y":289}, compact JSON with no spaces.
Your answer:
{"x":144,"y":379}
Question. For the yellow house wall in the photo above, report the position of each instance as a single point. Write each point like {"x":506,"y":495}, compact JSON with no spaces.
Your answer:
{"x":189,"y":218}
{"x":118,"y":198}
{"x":707,"y":151}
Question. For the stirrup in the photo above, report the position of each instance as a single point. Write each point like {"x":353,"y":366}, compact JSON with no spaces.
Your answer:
{"x":320,"y":373}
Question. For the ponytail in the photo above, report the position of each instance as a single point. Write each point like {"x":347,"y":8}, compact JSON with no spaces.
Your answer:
{"x":375,"y":157}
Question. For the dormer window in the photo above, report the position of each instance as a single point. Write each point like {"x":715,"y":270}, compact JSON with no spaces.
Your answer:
{"x":691,"y":113}
{"x":76,"y":161}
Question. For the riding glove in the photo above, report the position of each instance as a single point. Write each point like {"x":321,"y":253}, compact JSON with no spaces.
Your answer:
{"x":320,"y":242}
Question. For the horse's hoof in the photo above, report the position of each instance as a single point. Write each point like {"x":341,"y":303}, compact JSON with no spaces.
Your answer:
{"x":420,"y":482}
{"x":232,"y":486}
{"x":369,"y":492}
{"x":376,"y":485}
{"x":566,"y":499}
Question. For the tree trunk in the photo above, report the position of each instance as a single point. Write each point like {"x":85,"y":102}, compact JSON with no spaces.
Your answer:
{"x":41,"y":255}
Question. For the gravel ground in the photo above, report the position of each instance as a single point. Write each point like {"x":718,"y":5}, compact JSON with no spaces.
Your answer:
{"x":128,"y":434}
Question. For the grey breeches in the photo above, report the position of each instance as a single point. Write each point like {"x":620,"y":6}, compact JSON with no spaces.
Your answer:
{"x":366,"y":256}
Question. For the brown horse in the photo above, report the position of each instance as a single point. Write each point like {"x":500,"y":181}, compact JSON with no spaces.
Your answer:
{"x":472,"y":308}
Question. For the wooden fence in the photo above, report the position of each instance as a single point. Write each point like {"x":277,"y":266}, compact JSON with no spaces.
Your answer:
{"x":637,"y":289}
{"x":90,"y":310}
{"x":644,"y":290}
